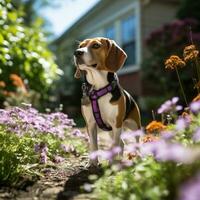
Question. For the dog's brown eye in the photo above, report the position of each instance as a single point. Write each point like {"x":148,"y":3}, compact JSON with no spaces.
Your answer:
{"x":95,"y":46}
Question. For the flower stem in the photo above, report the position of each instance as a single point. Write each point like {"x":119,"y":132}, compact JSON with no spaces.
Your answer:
{"x":196,"y":60}
{"x":182,"y":90}
{"x":153,"y":115}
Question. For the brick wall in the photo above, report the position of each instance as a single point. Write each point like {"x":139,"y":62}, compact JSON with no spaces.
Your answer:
{"x":131,"y":82}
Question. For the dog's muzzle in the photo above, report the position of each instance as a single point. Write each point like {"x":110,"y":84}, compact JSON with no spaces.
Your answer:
{"x":79,"y":56}
{"x":78,"y":53}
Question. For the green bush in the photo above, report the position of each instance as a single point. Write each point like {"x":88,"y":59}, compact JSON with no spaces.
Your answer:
{"x":24,"y":51}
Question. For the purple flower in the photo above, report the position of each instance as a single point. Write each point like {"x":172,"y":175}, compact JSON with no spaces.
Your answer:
{"x":196,"y":136}
{"x":195,"y":106}
{"x":43,"y":158}
{"x":150,"y":148}
{"x":190,"y":190}
{"x":178,"y":107}
{"x":116,"y":150}
{"x":181,"y":124}
{"x":29,"y":120}
{"x":131,"y":134}
{"x":178,"y":153}
{"x":65,"y":148}
{"x":170,"y":106}
{"x":175,"y":100}
{"x":94,"y":155}
{"x":42,"y":148}
{"x":132,"y":148}
{"x":87,"y":187}
{"x":167,"y":135}
{"x":58,"y":159}
{"x":36,"y":148}
{"x":78,"y":133}
{"x":105,"y":154}
{"x":166,"y":151}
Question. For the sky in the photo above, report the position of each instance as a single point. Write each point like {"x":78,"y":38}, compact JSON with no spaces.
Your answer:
{"x":63,"y":16}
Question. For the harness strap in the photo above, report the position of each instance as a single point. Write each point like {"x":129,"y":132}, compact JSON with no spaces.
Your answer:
{"x":94,"y":96}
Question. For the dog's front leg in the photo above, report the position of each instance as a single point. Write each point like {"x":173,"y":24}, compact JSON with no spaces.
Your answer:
{"x":117,"y":141}
{"x":93,"y":142}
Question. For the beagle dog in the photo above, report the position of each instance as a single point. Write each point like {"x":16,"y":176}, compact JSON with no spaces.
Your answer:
{"x":105,"y":104}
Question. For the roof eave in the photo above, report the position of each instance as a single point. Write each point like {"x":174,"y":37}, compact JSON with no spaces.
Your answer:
{"x":80,"y":20}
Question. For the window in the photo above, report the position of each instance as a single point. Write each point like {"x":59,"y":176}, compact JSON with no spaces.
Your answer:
{"x":128,"y":39}
{"x":110,"y":32}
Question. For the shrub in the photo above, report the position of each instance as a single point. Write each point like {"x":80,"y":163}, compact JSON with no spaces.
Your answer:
{"x":24,"y":52}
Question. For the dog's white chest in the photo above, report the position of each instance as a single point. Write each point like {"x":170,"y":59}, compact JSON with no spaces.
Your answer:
{"x":108,"y":111}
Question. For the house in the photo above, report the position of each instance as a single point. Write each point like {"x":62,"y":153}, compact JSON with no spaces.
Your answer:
{"x":128,"y":22}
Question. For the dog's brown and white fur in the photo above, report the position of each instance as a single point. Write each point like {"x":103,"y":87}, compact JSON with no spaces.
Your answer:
{"x":101,"y":58}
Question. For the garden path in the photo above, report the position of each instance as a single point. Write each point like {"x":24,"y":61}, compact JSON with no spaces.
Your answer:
{"x":62,"y":182}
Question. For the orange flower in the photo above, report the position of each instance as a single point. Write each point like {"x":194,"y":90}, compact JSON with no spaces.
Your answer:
{"x":155,"y":126}
{"x":197,"y":98}
{"x":190,"y":53}
{"x":174,"y":62}
{"x":149,"y":138}
{"x":17,"y":81}
{"x":7,"y":93}
{"x":184,"y":114}
{"x":2,"y":84}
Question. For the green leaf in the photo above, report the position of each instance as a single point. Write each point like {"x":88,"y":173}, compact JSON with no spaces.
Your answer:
{"x":12,"y":16}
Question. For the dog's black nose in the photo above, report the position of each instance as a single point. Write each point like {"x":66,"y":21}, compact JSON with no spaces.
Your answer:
{"x":78,"y":53}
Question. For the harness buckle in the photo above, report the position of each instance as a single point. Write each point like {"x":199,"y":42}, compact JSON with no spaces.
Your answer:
{"x":114,"y":84}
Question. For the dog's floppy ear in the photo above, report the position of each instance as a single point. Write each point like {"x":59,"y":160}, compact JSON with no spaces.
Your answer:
{"x":116,"y":56}
{"x":77,"y":73}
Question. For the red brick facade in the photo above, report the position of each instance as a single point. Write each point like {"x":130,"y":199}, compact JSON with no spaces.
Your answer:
{"x":132,"y":83}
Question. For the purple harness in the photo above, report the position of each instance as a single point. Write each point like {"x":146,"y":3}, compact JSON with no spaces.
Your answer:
{"x":94,"y":96}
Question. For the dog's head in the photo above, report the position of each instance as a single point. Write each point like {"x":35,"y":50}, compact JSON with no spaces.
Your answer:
{"x":100,"y":54}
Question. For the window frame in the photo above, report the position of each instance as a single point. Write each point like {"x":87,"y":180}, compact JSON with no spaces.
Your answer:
{"x":110,"y":26}
{"x":115,"y":19}
{"x":133,"y":40}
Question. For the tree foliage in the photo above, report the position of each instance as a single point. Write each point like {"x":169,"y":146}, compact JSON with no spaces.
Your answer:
{"x":189,"y":9}
{"x":24,"y":51}
{"x":31,"y":8}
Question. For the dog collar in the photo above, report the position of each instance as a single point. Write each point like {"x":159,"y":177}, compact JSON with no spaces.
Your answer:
{"x":94,"y":95}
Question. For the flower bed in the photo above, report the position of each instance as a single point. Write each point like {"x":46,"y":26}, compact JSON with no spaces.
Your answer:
{"x":163,"y":165}
{"x":29,"y":140}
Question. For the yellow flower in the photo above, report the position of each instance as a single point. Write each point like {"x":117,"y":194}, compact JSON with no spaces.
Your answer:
{"x":174,"y":62}
{"x":155,"y":126}
{"x":190,"y":53}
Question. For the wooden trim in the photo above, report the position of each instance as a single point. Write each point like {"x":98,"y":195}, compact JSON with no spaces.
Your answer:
{"x":128,"y":70}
